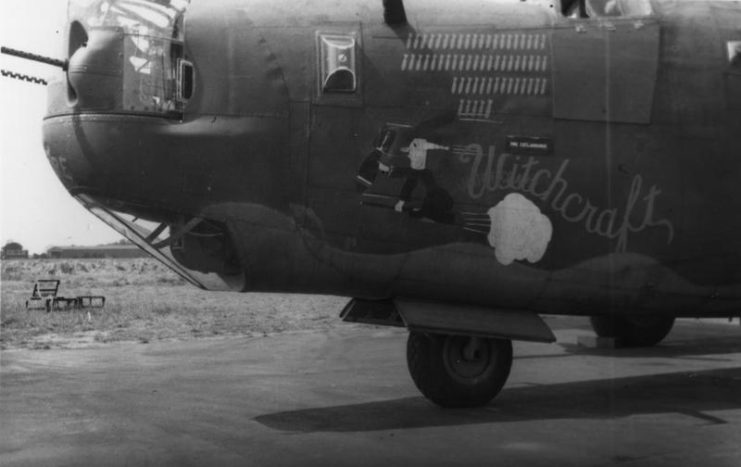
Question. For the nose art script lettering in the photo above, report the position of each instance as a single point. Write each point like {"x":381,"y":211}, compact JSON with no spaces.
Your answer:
{"x":489,"y":173}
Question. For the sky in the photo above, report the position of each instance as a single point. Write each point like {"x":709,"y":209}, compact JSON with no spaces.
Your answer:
{"x":35,"y":209}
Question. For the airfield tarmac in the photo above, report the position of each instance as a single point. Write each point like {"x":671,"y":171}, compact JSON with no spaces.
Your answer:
{"x":343,"y":397}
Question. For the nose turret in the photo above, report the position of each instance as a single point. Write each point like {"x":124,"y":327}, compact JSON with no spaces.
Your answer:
{"x":125,"y":57}
{"x":116,"y":71}
{"x":95,"y":72}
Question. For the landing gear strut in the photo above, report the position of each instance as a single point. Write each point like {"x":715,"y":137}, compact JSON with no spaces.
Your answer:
{"x":458,"y":371}
{"x":633,"y":330}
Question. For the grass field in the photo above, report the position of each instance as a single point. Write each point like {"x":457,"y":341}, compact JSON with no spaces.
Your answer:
{"x":145,"y":301}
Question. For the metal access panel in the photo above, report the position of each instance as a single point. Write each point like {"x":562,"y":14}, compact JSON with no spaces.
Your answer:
{"x":605,"y":71}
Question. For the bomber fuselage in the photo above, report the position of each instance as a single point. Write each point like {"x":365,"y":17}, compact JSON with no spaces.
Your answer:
{"x":512,"y":154}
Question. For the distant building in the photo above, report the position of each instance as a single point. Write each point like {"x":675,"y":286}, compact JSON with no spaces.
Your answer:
{"x":14,"y":250}
{"x":103,"y":251}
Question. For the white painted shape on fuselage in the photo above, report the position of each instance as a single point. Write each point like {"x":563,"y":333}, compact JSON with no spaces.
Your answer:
{"x":519,"y":231}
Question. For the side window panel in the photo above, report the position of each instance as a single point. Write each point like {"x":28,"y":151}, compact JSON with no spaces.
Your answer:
{"x":185,"y":80}
{"x":337,"y":63}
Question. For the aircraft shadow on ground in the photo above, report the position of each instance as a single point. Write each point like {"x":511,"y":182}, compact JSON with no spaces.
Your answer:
{"x":694,"y":348}
{"x":692,"y":394}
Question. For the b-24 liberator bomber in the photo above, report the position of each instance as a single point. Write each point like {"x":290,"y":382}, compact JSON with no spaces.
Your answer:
{"x":459,"y":168}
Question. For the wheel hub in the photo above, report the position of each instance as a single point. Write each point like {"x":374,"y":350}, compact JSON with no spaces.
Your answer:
{"x":466,"y":358}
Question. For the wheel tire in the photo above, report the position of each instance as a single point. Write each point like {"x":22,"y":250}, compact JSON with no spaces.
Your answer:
{"x":633,"y":331}
{"x":444,"y":375}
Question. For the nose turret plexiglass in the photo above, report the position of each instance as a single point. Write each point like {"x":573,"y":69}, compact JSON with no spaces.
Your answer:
{"x":128,"y":56}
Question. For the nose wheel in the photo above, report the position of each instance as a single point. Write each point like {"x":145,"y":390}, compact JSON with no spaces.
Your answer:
{"x":458,"y":371}
{"x":633,"y":330}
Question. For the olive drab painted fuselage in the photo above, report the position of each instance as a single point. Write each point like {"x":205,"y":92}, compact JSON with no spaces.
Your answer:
{"x":507,"y":154}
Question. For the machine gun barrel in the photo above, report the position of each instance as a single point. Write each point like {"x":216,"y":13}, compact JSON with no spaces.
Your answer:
{"x":36,"y":58}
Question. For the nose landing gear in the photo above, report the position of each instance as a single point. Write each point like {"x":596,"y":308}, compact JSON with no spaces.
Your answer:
{"x":633,"y":330}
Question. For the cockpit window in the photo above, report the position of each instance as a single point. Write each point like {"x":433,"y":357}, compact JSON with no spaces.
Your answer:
{"x":734,"y":53}
{"x":605,"y":8}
